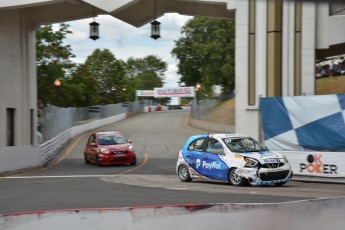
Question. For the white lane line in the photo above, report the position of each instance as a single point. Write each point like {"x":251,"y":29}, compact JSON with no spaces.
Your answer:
{"x":68,"y":176}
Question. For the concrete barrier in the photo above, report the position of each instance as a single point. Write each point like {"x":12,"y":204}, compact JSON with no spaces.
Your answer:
{"x":311,"y":214}
{"x":11,"y":158}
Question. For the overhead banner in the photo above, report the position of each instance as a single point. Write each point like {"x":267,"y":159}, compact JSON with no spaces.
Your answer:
{"x":145,"y":93}
{"x":304,"y":122}
{"x":175,"y":92}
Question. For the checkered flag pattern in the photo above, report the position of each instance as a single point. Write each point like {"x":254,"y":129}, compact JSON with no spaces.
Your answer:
{"x":304,"y":122}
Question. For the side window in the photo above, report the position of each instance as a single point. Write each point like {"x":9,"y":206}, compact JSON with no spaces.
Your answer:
{"x":196,"y":145}
{"x":92,"y":139}
{"x":214,"y":146}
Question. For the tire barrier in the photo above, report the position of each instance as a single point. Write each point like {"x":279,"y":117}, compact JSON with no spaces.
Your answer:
{"x":149,"y":109}
{"x":310,"y":214}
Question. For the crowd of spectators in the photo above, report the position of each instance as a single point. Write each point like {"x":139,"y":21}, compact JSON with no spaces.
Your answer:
{"x":330,"y":68}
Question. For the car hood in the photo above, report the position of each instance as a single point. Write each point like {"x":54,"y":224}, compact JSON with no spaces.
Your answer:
{"x":116,"y":147}
{"x":262,"y":155}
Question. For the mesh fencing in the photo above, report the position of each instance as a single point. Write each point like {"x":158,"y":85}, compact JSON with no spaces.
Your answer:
{"x":200,"y":110}
{"x":55,"y":120}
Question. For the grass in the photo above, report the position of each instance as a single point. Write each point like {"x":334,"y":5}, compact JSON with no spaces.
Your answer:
{"x":330,"y":85}
{"x":222,"y":113}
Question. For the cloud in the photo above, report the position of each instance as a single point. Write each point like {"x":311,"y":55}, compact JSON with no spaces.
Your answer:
{"x":125,"y":40}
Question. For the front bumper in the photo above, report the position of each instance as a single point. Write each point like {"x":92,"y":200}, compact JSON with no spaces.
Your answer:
{"x":266,"y":176}
{"x":117,"y":160}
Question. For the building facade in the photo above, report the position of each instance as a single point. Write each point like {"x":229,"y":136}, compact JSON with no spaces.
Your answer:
{"x":277,"y":44}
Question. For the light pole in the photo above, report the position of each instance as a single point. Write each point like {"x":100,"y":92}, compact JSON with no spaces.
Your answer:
{"x":197,"y":88}
{"x":57,"y":84}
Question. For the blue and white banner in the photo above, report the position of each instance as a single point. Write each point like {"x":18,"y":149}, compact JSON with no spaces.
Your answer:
{"x":304,"y":123}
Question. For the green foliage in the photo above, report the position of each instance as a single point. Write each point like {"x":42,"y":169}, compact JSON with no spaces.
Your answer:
{"x":205,"y":54}
{"x":145,"y":73}
{"x":102,"y":79}
{"x":53,"y":62}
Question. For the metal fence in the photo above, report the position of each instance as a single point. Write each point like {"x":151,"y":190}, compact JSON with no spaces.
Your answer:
{"x":55,"y":120}
{"x":202,"y":108}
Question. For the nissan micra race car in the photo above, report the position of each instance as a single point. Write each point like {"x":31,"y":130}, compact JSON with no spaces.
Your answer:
{"x":233,"y":158}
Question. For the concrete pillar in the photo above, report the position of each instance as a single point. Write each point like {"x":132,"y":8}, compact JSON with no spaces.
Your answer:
{"x":18,"y":90}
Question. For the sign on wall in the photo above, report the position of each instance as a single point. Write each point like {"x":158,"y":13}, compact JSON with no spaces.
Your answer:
{"x":175,"y":92}
{"x":145,"y":93}
{"x":309,"y":163}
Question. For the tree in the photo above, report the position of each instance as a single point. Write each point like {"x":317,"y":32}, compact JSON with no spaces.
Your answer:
{"x":205,"y":53}
{"x":99,"y":80}
{"x":53,"y":62}
{"x":145,"y":73}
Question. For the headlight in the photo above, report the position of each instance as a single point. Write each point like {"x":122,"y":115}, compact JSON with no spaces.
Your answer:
{"x":131,"y":148}
{"x":285,"y":158}
{"x":250,"y":162}
{"x":104,"y":150}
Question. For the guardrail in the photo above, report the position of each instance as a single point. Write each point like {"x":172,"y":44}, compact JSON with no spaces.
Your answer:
{"x":26,"y":157}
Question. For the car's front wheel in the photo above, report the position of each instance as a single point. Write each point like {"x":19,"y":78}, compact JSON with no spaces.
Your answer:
{"x":235,"y":179}
{"x":133,"y":162}
{"x":183,"y":173}
{"x":86,"y":160}
{"x":280,"y":184}
{"x":97,"y":162}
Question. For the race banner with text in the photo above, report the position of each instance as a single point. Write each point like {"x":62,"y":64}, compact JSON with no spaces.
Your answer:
{"x":175,"y":92}
{"x":145,"y":93}
{"x":313,"y":163}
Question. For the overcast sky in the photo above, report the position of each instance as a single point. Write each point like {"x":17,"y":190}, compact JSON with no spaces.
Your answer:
{"x":125,"y":40}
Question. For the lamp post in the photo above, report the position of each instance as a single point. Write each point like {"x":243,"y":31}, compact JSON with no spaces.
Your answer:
{"x":197,"y":88}
{"x":57,"y":84}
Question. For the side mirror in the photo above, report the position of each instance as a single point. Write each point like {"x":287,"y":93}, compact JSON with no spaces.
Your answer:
{"x":129,"y":141}
{"x":93,"y":144}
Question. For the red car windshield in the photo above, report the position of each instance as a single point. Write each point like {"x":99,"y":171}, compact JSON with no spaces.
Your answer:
{"x":111,"y":140}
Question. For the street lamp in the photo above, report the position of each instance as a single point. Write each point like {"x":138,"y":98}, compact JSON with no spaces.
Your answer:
{"x":94,"y":31}
{"x":155,"y":29}
{"x":57,"y":84}
{"x":155,"y":25}
{"x":197,"y":88}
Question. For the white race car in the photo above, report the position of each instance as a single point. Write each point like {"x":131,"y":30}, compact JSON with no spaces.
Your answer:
{"x":234,"y":158}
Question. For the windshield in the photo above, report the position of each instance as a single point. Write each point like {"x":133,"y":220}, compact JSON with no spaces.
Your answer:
{"x":111,"y":140}
{"x":244,"y":144}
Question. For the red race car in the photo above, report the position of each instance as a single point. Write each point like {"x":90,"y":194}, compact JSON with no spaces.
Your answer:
{"x":109,"y":148}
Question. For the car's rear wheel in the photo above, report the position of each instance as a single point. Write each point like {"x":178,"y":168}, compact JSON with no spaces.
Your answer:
{"x":86,"y":160}
{"x":235,"y":179}
{"x":183,"y":173}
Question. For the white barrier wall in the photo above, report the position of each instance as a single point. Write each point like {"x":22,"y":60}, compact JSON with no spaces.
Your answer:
{"x":311,"y":214}
{"x":22,"y":157}
{"x":18,"y":157}
{"x":77,"y":130}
